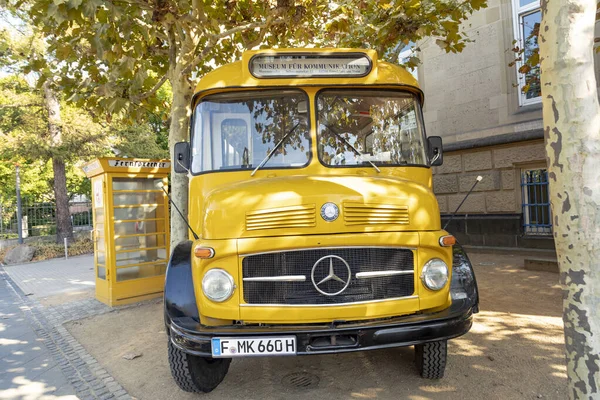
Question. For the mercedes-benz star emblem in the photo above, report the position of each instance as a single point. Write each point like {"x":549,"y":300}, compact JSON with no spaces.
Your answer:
{"x":329,"y":267}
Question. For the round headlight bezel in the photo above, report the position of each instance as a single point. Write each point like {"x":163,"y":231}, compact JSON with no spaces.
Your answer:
{"x":221,"y":273}
{"x":426,"y":277}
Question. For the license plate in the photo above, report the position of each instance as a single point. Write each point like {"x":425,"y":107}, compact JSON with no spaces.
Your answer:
{"x":253,"y":346}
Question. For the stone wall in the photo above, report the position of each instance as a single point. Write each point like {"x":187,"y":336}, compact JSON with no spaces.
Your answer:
{"x":80,"y":234}
{"x":474,"y":94}
{"x":500,"y":167}
{"x":491,"y":216}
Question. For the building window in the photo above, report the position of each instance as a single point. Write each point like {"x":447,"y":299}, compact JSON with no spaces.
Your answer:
{"x":527,"y":18}
{"x":537,"y":219}
{"x":405,"y":54}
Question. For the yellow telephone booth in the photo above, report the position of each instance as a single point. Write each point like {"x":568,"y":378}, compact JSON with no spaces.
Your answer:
{"x":131,"y":228}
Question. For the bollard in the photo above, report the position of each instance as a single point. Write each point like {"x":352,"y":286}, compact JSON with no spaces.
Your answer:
{"x":66,"y":253}
{"x":19,"y":206}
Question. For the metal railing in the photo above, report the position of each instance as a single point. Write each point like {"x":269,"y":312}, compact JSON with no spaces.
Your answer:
{"x":39,"y":218}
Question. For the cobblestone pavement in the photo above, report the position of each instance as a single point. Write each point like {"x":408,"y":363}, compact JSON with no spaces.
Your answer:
{"x":36,"y":351}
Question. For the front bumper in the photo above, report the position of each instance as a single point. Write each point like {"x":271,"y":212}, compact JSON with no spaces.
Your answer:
{"x":337,"y":337}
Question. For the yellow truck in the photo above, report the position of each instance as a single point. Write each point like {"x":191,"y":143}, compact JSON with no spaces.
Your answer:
{"x":314,"y":227}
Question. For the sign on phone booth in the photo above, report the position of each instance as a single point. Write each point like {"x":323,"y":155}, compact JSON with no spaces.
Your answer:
{"x":131,"y":228}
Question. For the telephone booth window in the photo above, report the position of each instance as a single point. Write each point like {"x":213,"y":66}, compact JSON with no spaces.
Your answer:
{"x":140,"y":242}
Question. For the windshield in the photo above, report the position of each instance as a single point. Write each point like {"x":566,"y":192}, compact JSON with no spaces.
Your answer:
{"x":383,"y":126}
{"x":237,"y":130}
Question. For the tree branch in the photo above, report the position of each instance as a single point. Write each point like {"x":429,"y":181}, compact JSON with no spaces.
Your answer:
{"x":198,"y":10}
{"x":172,"y":48}
{"x":252,"y":25}
{"x":19,"y":105}
{"x":214,"y":39}
{"x":150,"y":92}
{"x":139,"y":3}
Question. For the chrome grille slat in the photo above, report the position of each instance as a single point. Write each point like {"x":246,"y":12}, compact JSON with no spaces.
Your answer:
{"x":389,"y":274}
{"x":379,"y":274}
{"x":284,"y":278}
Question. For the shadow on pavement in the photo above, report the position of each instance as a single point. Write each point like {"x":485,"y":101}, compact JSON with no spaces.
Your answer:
{"x":514,"y":351}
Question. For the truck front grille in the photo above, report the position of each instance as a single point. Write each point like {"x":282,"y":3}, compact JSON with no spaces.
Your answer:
{"x":303,"y":277}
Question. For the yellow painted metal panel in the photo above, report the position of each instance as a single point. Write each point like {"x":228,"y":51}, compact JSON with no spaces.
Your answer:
{"x":132,"y":166}
{"x":237,"y":74}
{"x":143,"y":275}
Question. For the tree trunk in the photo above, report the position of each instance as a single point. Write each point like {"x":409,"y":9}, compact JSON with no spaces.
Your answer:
{"x":64,"y":227}
{"x":178,"y":132}
{"x":572,"y":131}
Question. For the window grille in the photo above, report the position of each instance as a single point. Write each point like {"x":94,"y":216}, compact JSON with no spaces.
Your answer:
{"x":537,"y":218}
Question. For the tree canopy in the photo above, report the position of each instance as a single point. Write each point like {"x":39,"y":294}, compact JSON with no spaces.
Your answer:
{"x":116,"y":55}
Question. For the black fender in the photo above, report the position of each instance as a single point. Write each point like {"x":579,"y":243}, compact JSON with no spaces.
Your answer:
{"x":179,"y":297}
{"x":464,"y":283}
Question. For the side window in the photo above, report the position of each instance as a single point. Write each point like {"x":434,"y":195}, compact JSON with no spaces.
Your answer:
{"x":527,"y":17}
{"x":537,"y":218}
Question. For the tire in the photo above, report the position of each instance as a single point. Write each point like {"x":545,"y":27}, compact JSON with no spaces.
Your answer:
{"x":196,"y":374}
{"x":431,"y":359}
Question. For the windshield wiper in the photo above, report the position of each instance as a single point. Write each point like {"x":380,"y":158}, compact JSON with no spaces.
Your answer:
{"x":352,"y":147}
{"x":268,"y":157}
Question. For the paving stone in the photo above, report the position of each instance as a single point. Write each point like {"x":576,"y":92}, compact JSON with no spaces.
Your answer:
{"x":112,"y":386}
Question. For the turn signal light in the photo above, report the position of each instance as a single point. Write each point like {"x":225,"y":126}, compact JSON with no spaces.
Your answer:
{"x":446,"y":241}
{"x":204,"y":252}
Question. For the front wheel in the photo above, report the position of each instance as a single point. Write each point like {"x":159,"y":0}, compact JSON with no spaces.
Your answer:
{"x":431,"y":359}
{"x":196,"y":374}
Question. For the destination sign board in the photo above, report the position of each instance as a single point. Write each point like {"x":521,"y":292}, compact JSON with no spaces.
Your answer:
{"x":310,"y":65}
{"x":138,"y":164}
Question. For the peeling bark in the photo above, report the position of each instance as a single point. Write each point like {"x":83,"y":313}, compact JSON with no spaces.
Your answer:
{"x":572,"y":131}
{"x":178,"y":132}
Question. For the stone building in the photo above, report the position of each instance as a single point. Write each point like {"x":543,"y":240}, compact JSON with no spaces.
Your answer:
{"x":490,"y":128}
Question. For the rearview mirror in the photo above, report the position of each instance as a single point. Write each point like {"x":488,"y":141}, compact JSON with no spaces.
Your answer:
{"x":181,"y":157}
{"x":434,"y":151}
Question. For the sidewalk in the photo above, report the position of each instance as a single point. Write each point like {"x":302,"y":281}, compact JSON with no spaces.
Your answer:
{"x":52,"y":277}
{"x":39,"y":359}
{"x":27,"y":369}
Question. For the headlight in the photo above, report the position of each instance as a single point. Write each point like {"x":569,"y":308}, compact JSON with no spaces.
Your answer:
{"x":218,"y":285}
{"x":435,"y":274}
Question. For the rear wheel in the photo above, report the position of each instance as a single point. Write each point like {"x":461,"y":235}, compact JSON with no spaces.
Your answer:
{"x":431,"y":359}
{"x":196,"y":374}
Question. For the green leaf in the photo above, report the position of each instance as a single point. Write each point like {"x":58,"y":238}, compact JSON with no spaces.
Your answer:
{"x":74,"y":3}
